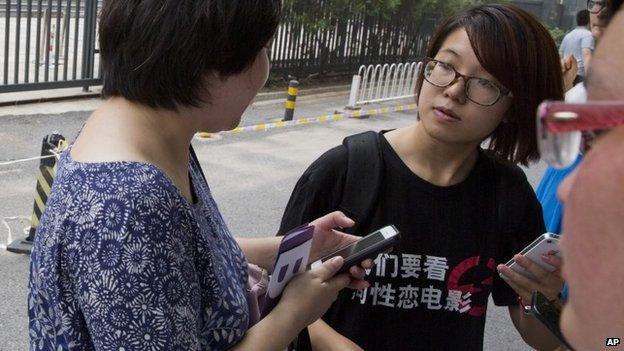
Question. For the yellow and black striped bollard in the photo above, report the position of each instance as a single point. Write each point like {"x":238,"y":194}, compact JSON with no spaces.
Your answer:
{"x":291,"y":100}
{"x":45,"y":178}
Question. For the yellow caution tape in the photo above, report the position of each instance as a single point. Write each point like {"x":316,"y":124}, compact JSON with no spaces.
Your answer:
{"x":320,"y":119}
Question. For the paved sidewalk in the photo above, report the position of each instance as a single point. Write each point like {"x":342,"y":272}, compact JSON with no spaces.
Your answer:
{"x":251,"y":176}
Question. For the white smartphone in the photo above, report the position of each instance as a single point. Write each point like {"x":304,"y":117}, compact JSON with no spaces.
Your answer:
{"x":547,"y":243}
{"x":367,"y":247}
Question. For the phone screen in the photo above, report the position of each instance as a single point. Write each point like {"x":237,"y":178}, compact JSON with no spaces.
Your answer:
{"x":357,"y":246}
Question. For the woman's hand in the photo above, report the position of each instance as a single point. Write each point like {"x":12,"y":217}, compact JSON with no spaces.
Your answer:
{"x":325,"y":338}
{"x":327,"y":240}
{"x":548,"y":283}
{"x":569,"y":70}
{"x":308,"y":295}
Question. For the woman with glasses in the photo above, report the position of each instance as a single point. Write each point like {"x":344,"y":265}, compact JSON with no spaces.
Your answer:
{"x":450,"y":183}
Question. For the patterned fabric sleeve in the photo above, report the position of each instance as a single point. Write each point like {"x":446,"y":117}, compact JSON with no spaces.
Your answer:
{"x":132,"y":267}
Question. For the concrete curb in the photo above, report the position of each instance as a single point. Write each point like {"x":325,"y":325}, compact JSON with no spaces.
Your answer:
{"x":56,"y":96}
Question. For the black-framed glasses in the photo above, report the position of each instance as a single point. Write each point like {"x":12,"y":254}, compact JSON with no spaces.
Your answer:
{"x":478,"y":90}
{"x":561,"y":127}
{"x":549,"y":313}
{"x":595,"y":6}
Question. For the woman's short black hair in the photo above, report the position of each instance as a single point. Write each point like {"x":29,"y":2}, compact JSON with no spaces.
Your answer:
{"x":158,"y":52}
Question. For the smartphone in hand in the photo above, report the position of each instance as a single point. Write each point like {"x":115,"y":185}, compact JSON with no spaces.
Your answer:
{"x":547,"y":243}
{"x":367,"y":247}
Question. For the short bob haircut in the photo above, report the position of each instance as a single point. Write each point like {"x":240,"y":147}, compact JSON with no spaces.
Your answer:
{"x":159,"y":52}
{"x":520,"y":53}
{"x":582,"y":18}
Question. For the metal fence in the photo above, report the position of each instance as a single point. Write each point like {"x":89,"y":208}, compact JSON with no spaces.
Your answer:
{"x":52,"y":43}
{"x":378,"y":83}
{"x":48,"y":44}
{"x":343,"y":44}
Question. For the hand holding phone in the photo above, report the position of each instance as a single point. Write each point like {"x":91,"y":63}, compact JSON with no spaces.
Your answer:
{"x":367,"y":247}
{"x":545,"y":244}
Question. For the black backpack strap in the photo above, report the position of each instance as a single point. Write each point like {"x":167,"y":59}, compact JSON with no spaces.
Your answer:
{"x":363,"y":178}
{"x":490,"y":209}
{"x":361,"y":187}
{"x":504,"y":208}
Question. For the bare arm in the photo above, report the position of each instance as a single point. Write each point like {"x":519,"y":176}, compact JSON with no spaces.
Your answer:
{"x":586,"y":57}
{"x":304,"y":300}
{"x":273,"y":332}
{"x":568,"y":70}
{"x":260,"y":251}
{"x":325,"y":338}
{"x":263,"y":251}
{"x":533,"y":332}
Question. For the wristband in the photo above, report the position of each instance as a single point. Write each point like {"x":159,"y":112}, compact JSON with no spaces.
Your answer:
{"x":524,"y":307}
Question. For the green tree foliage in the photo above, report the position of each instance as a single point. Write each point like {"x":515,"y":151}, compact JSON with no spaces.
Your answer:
{"x":557,"y":34}
{"x":307,"y":12}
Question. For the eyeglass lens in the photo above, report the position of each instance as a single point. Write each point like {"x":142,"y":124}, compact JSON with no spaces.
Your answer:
{"x":481,"y":91}
{"x":595,"y":6}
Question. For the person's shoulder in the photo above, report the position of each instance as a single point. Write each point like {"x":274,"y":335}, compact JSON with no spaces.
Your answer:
{"x":508,"y":171}
{"x":332,"y":165}
{"x":116,"y":188}
{"x":329,"y":164}
{"x":568,"y":37}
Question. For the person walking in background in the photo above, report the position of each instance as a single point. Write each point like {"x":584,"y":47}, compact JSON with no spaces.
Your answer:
{"x":600,"y":14}
{"x":579,"y":43}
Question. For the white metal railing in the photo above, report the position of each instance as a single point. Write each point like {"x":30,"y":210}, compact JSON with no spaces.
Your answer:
{"x":377,"y":83}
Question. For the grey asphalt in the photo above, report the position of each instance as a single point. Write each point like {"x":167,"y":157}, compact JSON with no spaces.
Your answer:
{"x":251,"y":176}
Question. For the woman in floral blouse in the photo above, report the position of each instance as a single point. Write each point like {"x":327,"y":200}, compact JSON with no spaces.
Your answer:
{"x":132,"y":252}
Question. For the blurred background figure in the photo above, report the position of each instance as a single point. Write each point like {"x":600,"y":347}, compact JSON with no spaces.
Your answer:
{"x":579,"y":43}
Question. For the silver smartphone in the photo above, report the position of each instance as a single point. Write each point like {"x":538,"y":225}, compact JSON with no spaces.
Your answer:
{"x":547,"y":243}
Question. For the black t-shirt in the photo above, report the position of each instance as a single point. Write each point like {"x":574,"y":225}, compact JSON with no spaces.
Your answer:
{"x":431,"y":291}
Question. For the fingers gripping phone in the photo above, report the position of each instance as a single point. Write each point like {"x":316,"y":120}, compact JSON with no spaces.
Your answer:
{"x":545,"y":244}
{"x":367,"y":247}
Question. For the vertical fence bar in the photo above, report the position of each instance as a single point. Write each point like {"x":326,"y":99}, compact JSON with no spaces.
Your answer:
{"x":7,"y":28}
{"x":38,"y":43}
{"x":57,"y":37}
{"x":308,"y":45}
{"x":18,"y":26}
{"x":88,"y":46}
{"x":28,"y":30}
{"x":76,"y":34}
{"x":279,"y":56}
{"x":85,"y":42}
{"x":65,"y":37}
{"x":47,"y":36}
